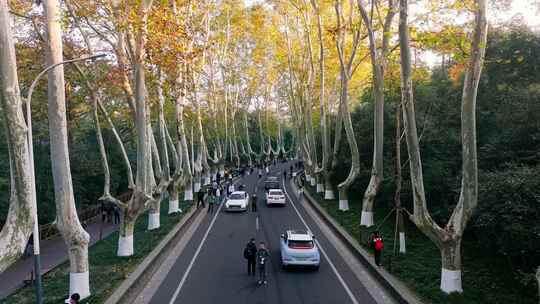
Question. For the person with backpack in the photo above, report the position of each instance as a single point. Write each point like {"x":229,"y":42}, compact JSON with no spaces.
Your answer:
{"x":250,"y":254}
{"x":263,"y":257}
{"x":377,"y":244}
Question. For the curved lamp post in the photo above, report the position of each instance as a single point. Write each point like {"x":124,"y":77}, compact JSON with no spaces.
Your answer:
{"x":37,"y":259}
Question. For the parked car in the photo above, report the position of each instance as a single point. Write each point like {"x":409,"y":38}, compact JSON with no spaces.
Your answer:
{"x":237,"y":201}
{"x":298,"y":247}
{"x":271,"y":182}
{"x":275,"y":197}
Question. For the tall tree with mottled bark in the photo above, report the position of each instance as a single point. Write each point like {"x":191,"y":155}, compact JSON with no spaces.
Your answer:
{"x":378,"y":56}
{"x":448,"y":238}
{"x":18,"y":224}
{"x":67,"y":221}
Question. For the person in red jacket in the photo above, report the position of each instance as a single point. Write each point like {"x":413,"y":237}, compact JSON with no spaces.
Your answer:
{"x":376,"y":243}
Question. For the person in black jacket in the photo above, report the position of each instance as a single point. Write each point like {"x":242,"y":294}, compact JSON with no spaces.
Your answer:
{"x":250,"y":254}
{"x":200,"y":198}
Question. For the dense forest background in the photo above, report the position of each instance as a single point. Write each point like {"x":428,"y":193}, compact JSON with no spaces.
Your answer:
{"x":505,"y":225}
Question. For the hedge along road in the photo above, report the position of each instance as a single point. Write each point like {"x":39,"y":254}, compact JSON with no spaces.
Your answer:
{"x":212,"y":269}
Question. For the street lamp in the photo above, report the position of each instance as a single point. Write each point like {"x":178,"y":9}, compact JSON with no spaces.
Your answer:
{"x":37,"y":259}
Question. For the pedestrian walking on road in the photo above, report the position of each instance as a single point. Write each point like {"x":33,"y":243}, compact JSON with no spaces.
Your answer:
{"x":254,"y":203}
{"x":212,"y":200}
{"x":284,"y":174}
{"x":74,"y":299}
{"x":262,"y":259}
{"x":376,"y":243}
{"x":260,"y":173}
{"x":200,"y":198}
{"x":250,"y":254}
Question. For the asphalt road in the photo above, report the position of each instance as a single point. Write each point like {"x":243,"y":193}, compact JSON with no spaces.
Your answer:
{"x":212,"y":269}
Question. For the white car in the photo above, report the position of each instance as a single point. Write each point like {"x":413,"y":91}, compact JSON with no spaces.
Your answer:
{"x":275,"y":197}
{"x":237,"y":201}
{"x":298,"y":248}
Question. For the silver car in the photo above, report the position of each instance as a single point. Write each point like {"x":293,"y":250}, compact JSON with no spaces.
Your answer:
{"x":298,"y":247}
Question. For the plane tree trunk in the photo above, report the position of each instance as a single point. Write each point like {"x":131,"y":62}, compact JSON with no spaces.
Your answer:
{"x":75,"y":237}
{"x":346,"y":71}
{"x":19,"y":221}
{"x":141,"y":195}
{"x":447,"y":239}
{"x":378,"y":62}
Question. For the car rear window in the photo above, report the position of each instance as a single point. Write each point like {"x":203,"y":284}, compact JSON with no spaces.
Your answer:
{"x":276,"y":192}
{"x":300,"y":244}
{"x":237,"y":196}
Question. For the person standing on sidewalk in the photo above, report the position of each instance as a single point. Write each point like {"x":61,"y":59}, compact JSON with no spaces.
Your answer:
{"x":376,"y":243}
{"x":200,"y":198}
{"x":250,"y":254}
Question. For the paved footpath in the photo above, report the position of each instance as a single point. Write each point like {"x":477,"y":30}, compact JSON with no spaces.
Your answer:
{"x":53,"y":253}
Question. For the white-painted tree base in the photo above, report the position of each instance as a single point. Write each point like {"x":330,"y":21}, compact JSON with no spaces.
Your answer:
{"x":313,"y":182}
{"x":197,"y":187}
{"x":188,"y":195}
{"x":153,"y":220}
{"x":366,"y":219}
{"x":308,"y":178}
{"x":267,"y":170}
{"x":294,"y":174}
{"x":207,"y":180}
{"x":174,"y":206}
{"x":451,"y":281}
{"x":218,"y":193}
{"x":125,"y":246}
{"x":329,"y":195}
{"x":221,"y":173}
{"x":79,"y":282}
{"x":320,"y":188}
{"x":402,"y":247}
{"x":344,"y":205}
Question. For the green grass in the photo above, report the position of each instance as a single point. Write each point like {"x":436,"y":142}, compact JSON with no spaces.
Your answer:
{"x":107,"y":271}
{"x":485,"y":280}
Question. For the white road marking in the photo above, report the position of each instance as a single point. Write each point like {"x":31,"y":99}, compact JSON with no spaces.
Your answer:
{"x":257,"y":223}
{"x":192,"y":262}
{"x":340,"y":278}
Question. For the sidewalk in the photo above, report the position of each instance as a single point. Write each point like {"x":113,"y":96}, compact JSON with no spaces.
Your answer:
{"x":53,"y":253}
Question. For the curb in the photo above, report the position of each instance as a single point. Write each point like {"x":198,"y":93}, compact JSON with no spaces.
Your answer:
{"x":126,"y":292}
{"x":396,"y":288}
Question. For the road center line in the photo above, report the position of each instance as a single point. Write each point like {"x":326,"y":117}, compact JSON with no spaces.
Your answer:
{"x":340,"y":278}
